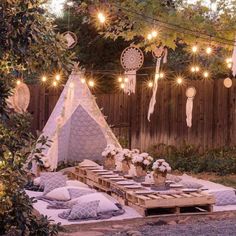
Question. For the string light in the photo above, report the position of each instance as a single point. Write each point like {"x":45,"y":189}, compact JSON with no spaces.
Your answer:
{"x":194,"y":49}
{"x":154,"y":33}
{"x":54,"y":83}
{"x":149,"y":36}
{"x":122,"y":85}
{"x":228,"y":60}
{"x":44,"y":79}
{"x":197,"y":68}
{"x":101,"y":17}
{"x":126,"y":80}
{"x":18,"y":82}
{"x":161,"y":75}
{"x":91,"y":83}
{"x":157,"y":76}
{"x":206,"y":74}
{"x":193,"y":69}
{"x":120,"y":79}
{"x":150,"y":84}
{"x":179,"y":80}
{"x":83,"y":80}
{"x":209,"y":50}
{"x":229,"y":65}
{"x":58,"y":77}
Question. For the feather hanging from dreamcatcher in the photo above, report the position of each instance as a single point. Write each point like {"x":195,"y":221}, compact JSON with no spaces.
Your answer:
{"x":131,"y":60}
{"x":190,"y":93}
{"x":234,"y":59}
{"x":161,"y":54}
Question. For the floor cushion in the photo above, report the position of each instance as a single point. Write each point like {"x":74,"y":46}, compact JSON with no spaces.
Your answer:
{"x":84,"y":210}
{"x":45,"y":176}
{"x":105,"y":204}
{"x":224,"y":197}
{"x":60,"y":194}
{"x":54,"y":182}
{"x":76,"y":183}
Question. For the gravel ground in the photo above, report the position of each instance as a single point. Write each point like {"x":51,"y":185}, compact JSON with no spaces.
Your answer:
{"x":208,"y":228}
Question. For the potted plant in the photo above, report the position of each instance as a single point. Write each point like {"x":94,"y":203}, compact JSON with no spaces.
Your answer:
{"x":125,"y":157}
{"x":141,"y":162}
{"x":109,"y":155}
{"x":160,"y":169}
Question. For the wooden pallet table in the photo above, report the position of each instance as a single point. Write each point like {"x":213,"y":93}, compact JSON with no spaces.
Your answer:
{"x":147,"y":204}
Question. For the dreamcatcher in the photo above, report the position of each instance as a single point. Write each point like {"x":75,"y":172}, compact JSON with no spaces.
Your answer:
{"x":131,"y":60}
{"x":20,"y":99}
{"x":160,"y":53}
{"x":70,"y":38}
{"x":190,"y":93}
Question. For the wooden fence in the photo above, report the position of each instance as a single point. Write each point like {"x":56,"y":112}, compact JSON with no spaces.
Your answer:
{"x":214,"y":114}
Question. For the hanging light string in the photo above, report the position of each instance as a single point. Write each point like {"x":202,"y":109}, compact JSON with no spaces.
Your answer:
{"x":177,"y":28}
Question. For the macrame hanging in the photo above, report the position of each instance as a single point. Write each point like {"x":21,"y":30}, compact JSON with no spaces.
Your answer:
{"x":20,"y":99}
{"x":70,"y":38}
{"x":190,"y":93}
{"x":160,"y":53}
{"x":131,"y":60}
{"x":234,"y":59}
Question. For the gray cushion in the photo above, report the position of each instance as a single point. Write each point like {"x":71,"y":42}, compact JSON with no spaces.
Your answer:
{"x":44,"y":176}
{"x":56,"y":182}
{"x":74,"y":193}
{"x":190,"y":184}
{"x":84,"y":210}
{"x":64,"y":214}
{"x":226,"y":197}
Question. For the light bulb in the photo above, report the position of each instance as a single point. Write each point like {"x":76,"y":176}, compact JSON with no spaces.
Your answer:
{"x":157,"y":76}
{"x":126,"y":80}
{"x":194,"y":49}
{"x":18,"y":82}
{"x":193,"y":69}
{"x":83,"y":80}
{"x":91,"y":83}
{"x":208,"y":50}
{"x":54,"y":83}
{"x":122,"y":85}
{"x":154,"y":33}
{"x":229,"y":65}
{"x":161,"y":75}
{"x":101,"y":17}
{"x":150,"y":84}
{"x":149,"y":36}
{"x":206,"y":74}
{"x":120,"y":79}
{"x":58,"y":77}
{"x":197,"y":68}
{"x":179,"y":80}
{"x":44,"y":79}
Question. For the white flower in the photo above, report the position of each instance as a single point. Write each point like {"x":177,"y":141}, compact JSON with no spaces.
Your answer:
{"x":144,"y":154}
{"x":146,"y":162}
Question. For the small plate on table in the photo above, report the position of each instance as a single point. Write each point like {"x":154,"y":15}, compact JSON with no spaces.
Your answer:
{"x":132,"y":186}
{"x":190,"y":190}
{"x":176,"y":186}
{"x":145,"y":184}
{"x":126,"y":183}
{"x":144,"y":192}
{"x":110,"y":176}
{"x":117,"y":179}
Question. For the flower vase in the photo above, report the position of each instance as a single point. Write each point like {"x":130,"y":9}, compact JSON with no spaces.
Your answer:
{"x":125,"y":167}
{"x":140,"y":173}
{"x":110,"y":162}
{"x":159,"y":179}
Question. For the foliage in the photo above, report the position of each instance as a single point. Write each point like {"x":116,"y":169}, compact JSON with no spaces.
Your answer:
{"x":29,"y":46}
{"x":188,"y":158}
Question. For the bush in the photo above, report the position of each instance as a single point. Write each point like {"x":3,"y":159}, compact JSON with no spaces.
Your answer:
{"x":188,"y":158}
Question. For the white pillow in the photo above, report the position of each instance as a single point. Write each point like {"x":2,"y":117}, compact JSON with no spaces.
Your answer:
{"x":37,"y":181}
{"x":104,"y":205}
{"x":76,"y":183}
{"x":60,"y":194}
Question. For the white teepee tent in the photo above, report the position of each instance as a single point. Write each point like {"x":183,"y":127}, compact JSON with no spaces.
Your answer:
{"x":76,"y":126}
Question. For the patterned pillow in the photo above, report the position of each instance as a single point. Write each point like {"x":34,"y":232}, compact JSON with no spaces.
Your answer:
{"x":189,"y":184}
{"x":84,"y":210}
{"x":75,"y":192}
{"x":44,"y":176}
{"x":53,"y":183}
{"x":65,"y":214}
{"x":226,"y":197}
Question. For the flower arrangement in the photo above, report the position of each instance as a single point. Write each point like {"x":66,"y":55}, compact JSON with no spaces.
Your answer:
{"x":161,"y":165}
{"x":124,"y":155}
{"x":142,"y":159}
{"x":110,"y":150}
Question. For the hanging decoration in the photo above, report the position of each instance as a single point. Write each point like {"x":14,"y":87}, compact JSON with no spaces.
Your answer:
{"x":132,"y":59}
{"x":190,"y":93}
{"x":159,"y":53}
{"x":70,"y":38}
{"x":20,"y":99}
{"x":228,"y":83}
{"x":234,"y":59}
